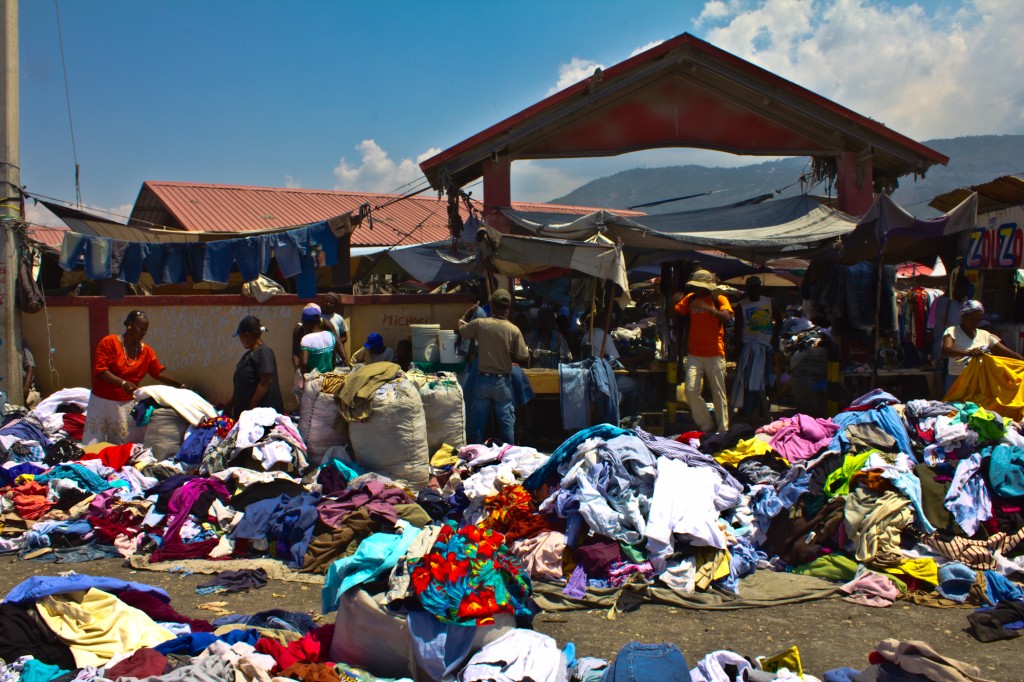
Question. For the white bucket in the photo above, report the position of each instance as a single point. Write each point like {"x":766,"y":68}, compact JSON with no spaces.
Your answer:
{"x":424,"y":342}
{"x":449,"y":342}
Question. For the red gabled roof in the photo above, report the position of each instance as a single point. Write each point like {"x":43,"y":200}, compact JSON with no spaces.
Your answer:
{"x":199,"y":207}
{"x":47,"y":236}
{"x":684,"y":92}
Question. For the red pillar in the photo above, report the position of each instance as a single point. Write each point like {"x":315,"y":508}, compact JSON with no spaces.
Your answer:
{"x":497,"y":191}
{"x":854,"y":183}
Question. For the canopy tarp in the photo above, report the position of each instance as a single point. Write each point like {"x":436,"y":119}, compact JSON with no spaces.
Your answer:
{"x":752,"y":232}
{"x":428,"y":263}
{"x":891,"y":232}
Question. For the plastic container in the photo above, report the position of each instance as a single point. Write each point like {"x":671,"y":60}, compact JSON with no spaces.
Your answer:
{"x":424,"y":342}
{"x":448,"y":342}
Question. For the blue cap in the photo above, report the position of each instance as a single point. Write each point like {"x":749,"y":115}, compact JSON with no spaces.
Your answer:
{"x":374,"y":343}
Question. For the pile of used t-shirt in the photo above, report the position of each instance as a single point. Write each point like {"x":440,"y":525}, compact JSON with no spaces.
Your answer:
{"x":922,"y":501}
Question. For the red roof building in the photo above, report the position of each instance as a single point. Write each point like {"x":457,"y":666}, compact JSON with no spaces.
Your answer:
{"x":207,"y":208}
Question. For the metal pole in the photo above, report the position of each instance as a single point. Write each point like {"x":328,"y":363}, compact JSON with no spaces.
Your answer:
{"x":10,"y":210}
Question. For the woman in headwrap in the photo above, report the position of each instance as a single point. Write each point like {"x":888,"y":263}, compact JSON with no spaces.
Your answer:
{"x":119,"y":364}
{"x":966,"y":340}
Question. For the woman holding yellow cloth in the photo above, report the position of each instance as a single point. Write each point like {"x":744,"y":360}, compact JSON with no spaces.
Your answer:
{"x":967,"y":340}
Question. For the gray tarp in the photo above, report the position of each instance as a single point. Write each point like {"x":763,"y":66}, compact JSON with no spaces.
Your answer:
{"x":752,"y":231}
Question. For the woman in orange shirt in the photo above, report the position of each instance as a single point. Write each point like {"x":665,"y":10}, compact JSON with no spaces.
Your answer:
{"x":119,"y":364}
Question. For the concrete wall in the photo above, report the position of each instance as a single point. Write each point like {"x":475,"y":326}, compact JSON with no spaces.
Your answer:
{"x":192,"y":334}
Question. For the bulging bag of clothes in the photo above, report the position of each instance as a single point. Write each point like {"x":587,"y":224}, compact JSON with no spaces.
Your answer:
{"x":392,"y":439}
{"x":320,"y":423}
{"x":443,"y":407}
{"x":165,"y":432}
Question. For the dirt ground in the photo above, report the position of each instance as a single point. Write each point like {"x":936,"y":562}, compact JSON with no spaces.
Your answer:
{"x":829,"y":633}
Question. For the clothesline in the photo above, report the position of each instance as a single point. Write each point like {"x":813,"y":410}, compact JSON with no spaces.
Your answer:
{"x":298,"y":253}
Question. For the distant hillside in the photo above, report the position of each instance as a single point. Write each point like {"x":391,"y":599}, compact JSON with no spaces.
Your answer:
{"x":972,"y":160}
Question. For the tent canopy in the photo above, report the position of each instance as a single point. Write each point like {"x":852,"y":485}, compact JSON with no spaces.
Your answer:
{"x":752,"y":232}
{"x":890,"y":232}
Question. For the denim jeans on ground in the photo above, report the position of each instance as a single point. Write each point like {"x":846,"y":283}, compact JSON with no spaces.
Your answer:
{"x":493,"y":394}
{"x":638,"y":662}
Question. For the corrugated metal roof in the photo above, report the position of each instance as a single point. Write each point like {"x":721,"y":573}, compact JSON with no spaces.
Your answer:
{"x":992,"y":196}
{"x":50,"y":237}
{"x":197,"y":207}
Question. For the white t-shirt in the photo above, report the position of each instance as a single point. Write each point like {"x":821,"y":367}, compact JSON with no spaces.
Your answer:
{"x":595,"y":344}
{"x":982,"y":339}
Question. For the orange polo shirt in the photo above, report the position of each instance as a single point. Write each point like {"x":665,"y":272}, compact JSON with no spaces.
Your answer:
{"x":707,"y":335}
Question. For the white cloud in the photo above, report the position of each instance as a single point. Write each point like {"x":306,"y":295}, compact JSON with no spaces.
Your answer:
{"x":291,"y":183}
{"x":644,"y":48}
{"x":376,"y":171}
{"x":574,"y":71}
{"x":937,"y":73}
{"x":540,"y":181}
{"x":37,"y":214}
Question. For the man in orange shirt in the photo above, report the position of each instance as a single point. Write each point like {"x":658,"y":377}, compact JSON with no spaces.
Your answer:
{"x":708,"y":313}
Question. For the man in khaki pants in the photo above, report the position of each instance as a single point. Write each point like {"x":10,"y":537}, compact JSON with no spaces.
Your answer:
{"x":705,"y":358}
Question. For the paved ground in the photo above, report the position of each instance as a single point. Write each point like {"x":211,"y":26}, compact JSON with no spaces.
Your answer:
{"x":830,"y":633}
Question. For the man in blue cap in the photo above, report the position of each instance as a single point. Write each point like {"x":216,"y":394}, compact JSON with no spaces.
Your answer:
{"x":372,"y":351}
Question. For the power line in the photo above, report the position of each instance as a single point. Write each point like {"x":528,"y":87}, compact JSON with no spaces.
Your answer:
{"x":67,"y":97}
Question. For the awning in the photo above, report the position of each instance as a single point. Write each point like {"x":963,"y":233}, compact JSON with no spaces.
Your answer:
{"x":753,"y":232}
{"x":889,"y":231}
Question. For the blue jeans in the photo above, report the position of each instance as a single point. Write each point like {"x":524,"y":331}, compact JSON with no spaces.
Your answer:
{"x":639,"y":662}
{"x":492,"y":392}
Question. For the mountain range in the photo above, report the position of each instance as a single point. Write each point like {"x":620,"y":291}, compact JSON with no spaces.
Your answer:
{"x":972,"y":160}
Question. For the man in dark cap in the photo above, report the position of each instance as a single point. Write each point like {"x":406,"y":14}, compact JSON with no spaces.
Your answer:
{"x":498,"y":343}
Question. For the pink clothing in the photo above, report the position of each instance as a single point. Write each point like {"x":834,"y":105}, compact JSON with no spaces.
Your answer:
{"x":871,"y":589}
{"x":802,"y":437}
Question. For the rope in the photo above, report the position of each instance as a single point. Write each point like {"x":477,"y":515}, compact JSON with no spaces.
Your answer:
{"x":67,"y":97}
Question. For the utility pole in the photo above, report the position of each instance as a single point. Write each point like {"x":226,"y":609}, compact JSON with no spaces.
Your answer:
{"x":11,"y":219}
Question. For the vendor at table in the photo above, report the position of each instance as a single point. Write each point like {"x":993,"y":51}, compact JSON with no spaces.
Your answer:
{"x":547,"y":345}
{"x":119,"y":364}
{"x":966,"y":340}
{"x":255,"y":380}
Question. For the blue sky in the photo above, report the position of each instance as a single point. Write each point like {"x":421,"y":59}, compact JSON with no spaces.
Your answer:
{"x":350,"y":95}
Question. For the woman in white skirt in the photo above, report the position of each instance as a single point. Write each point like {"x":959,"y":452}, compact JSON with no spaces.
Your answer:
{"x":119,"y":364}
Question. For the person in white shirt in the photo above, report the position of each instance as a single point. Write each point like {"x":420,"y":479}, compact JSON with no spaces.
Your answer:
{"x":337,"y":324}
{"x":966,"y":340}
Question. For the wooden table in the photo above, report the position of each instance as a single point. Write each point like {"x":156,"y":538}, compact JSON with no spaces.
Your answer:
{"x":898,"y":380}
{"x":544,"y":382}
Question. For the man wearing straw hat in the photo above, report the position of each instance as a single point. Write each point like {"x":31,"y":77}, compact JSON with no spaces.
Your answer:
{"x":707,"y":314}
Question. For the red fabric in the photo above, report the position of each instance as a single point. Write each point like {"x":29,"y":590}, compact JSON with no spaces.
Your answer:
{"x":305,"y":650}
{"x":74,"y":424}
{"x":30,"y":500}
{"x":689,"y":435}
{"x":144,"y":662}
{"x":115,"y":457}
{"x":110,"y":354}
{"x":177,"y":549}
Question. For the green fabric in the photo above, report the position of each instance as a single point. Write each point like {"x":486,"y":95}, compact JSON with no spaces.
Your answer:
{"x":933,"y":497}
{"x":632,"y":554}
{"x":433,"y":367}
{"x":988,"y":425}
{"x":840,"y":569}
{"x":838,"y":482}
{"x":834,"y":567}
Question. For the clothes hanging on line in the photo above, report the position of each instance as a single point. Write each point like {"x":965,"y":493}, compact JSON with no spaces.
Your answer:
{"x":298,"y":252}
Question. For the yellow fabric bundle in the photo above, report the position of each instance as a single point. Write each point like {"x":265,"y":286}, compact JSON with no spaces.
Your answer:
{"x":996,"y":383}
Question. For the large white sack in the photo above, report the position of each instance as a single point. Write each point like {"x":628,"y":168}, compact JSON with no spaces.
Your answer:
{"x":165,"y":432}
{"x":320,"y":423}
{"x":444,"y":408}
{"x":393,"y":439}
